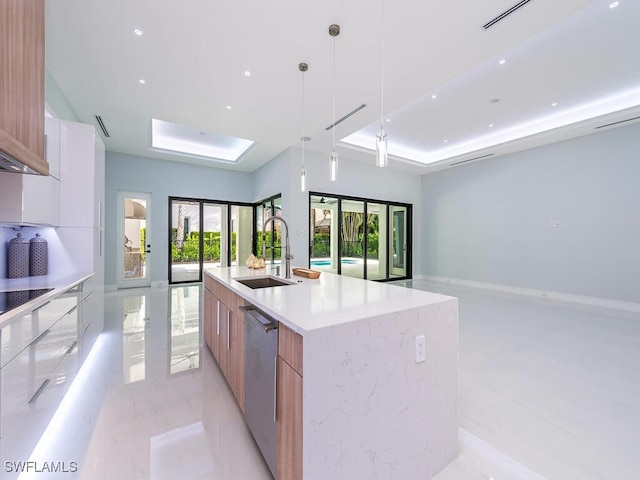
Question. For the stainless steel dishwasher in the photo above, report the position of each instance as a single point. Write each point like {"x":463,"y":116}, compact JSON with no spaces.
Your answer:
{"x":261,"y":352}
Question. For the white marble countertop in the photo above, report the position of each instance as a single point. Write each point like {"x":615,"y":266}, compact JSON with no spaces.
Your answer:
{"x":328,"y":301}
{"x":59,"y":283}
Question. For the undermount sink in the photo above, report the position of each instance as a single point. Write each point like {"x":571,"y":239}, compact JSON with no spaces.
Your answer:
{"x":263,"y":282}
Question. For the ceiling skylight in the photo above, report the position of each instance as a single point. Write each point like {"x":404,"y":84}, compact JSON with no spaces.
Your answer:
{"x":181,"y":140}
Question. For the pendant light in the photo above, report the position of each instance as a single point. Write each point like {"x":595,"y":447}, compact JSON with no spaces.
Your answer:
{"x":334,"y":31}
{"x":382,"y":156}
{"x":303,"y":67}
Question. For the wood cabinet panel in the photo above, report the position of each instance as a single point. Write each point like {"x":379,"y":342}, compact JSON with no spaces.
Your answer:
{"x":290,"y":347}
{"x":207,"y":318}
{"x":22,"y":92}
{"x":289,"y":412}
{"x":224,"y":347}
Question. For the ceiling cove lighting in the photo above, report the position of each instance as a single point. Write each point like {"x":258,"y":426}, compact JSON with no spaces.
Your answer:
{"x":334,"y":31}
{"x":303,"y":67}
{"x":382,"y":153}
{"x":176,"y":139}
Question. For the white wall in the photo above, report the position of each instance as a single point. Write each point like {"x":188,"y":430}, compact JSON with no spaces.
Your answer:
{"x":491,"y":221}
{"x":163,"y":179}
{"x":358,"y":179}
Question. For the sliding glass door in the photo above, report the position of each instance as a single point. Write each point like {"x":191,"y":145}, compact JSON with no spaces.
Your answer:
{"x":206,"y":233}
{"x":352,"y":239}
{"x":398,"y":234}
{"x":359,"y":237}
{"x":272,"y":235}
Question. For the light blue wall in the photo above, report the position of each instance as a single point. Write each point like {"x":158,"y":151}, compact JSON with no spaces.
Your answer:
{"x":491,"y":221}
{"x":163,"y":179}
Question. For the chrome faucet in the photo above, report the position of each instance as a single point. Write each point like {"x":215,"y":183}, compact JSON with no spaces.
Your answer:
{"x":287,"y":251}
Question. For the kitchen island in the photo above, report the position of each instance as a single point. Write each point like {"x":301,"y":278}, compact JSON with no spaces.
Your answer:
{"x":368,"y":408}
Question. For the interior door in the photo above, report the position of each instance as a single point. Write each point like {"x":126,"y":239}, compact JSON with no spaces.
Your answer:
{"x":398,"y":260}
{"x":134,"y":234}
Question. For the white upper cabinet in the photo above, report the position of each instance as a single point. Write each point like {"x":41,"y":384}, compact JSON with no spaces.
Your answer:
{"x":34,"y":199}
{"x":81,"y":176}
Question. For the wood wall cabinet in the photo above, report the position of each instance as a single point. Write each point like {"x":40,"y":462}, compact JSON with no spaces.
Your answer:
{"x":22,"y":94}
{"x":289,"y":404}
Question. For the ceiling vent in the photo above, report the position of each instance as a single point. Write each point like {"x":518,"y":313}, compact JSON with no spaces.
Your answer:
{"x":505,"y":14}
{"x":471,"y":160}
{"x":618,"y":123}
{"x":102,"y":126}
{"x":343,"y":118}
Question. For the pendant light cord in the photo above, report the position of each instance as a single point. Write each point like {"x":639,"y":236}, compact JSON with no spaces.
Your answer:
{"x":382,"y":65}
{"x":303,"y":140}
{"x":333,"y":130}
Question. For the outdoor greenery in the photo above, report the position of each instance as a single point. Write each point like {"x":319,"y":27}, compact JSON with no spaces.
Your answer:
{"x":189,"y":251}
{"x":352,"y":237}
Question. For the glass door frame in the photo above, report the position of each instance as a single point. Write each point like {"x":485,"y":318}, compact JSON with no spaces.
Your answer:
{"x":271,"y":201}
{"x":388,"y":240}
{"x":145,"y":280}
{"x":202,"y":202}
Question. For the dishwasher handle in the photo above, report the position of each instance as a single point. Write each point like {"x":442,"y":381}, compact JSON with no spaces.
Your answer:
{"x":266,"y":323}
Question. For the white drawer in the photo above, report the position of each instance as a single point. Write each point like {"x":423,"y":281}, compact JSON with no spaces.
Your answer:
{"x":24,"y":330}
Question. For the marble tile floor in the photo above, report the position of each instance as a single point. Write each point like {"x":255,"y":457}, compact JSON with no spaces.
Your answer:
{"x":547,"y":390}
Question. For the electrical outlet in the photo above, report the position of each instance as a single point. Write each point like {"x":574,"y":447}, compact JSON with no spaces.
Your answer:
{"x":421,"y":349}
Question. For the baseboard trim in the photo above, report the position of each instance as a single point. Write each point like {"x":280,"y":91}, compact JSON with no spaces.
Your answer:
{"x":530,"y":292}
{"x":492,"y":462}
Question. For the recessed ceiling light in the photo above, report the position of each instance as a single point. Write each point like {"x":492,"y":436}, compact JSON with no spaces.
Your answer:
{"x":434,"y":96}
{"x":502,"y":61}
{"x":229,"y":107}
{"x":247,"y":73}
{"x":142,"y":81}
{"x":491,"y":125}
{"x":614,"y":4}
{"x":137,"y":31}
{"x":388,"y":120}
{"x":446,"y":141}
{"x":554,"y":104}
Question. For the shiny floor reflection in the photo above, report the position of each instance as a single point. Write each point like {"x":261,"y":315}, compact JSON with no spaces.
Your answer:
{"x":166,"y":411}
{"x":547,"y":390}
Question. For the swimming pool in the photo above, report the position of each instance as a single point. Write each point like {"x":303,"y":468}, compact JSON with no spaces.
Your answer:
{"x":327,"y":263}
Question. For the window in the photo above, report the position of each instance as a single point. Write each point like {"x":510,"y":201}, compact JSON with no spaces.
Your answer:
{"x":206,"y":233}
{"x":272,"y":236}
{"x":355,"y":237}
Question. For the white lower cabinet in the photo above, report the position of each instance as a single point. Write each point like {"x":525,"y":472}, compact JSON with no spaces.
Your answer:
{"x":40,"y":357}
